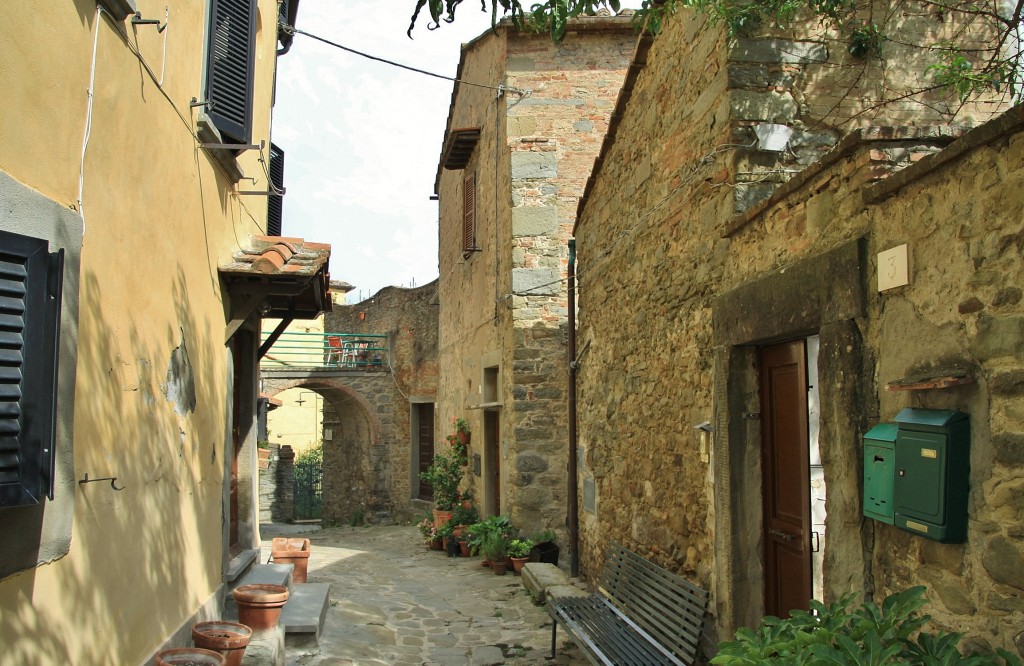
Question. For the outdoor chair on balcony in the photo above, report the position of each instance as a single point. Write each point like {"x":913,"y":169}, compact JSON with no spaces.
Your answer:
{"x":335,"y":352}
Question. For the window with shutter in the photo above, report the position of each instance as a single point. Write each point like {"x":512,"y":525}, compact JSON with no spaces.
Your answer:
{"x":469,"y":213}
{"x":30,"y":295}
{"x":275,"y":202}
{"x":231,"y":50}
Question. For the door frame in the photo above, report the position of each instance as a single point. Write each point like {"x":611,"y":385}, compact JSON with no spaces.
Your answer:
{"x":826,"y":293}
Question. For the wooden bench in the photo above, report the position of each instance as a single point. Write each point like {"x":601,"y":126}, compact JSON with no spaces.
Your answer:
{"x":642,"y":615}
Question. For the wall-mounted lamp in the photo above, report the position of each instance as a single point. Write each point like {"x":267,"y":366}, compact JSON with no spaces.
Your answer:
{"x":705,"y":429}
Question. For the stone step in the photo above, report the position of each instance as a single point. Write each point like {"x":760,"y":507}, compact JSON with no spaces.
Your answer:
{"x":304,"y":614}
{"x":240,"y":563}
{"x":267,"y":574}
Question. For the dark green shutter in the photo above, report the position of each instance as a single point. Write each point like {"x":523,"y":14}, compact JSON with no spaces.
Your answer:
{"x":231,"y":56}
{"x":30,"y":295}
{"x":275,"y":202}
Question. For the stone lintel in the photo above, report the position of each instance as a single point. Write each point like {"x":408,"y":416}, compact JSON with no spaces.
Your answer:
{"x":799,"y":297}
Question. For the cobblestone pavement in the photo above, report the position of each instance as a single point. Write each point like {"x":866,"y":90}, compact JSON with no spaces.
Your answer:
{"x":394,"y":602}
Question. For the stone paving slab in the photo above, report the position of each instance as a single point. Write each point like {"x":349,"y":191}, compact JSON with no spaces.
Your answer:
{"x":394,"y":602}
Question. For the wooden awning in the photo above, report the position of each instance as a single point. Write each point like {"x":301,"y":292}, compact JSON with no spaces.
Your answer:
{"x":459,"y":147}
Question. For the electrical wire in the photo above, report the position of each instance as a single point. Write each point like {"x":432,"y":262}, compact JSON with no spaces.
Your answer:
{"x":292,"y":30}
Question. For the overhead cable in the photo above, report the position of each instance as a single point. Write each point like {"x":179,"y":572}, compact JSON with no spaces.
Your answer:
{"x":292,"y":30}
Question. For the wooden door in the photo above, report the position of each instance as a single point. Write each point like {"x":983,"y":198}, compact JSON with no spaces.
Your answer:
{"x":425,"y":439}
{"x":493,"y":453}
{"x":785,"y":478}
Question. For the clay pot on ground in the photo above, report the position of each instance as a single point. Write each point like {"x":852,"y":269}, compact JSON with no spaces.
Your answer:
{"x":440,"y":518}
{"x":292,"y":551}
{"x":499,"y":568}
{"x":228,"y":638}
{"x":189,"y":657}
{"x":259,"y":605}
{"x":464,"y":549}
{"x":437,"y":544}
{"x":518,"y":563}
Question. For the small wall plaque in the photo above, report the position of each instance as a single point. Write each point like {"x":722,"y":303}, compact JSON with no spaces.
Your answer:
{"x":893,"y":269}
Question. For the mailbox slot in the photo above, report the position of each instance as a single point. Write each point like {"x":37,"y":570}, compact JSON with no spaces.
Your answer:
{"x":932,"y":473}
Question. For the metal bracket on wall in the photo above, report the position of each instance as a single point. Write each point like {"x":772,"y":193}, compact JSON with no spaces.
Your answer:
{"x":112,"y":479}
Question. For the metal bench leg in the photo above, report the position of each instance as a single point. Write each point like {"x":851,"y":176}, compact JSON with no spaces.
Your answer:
{"x":554,"y":628}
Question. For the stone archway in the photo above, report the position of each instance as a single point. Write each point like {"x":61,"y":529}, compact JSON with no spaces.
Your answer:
{"x":354,"y":476}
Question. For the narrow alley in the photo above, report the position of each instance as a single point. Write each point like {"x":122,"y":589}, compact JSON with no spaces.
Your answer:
{"x":394,"y":602}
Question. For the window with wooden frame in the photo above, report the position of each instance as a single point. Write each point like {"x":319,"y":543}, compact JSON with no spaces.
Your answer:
{"x":30,"y":297}
{"x":231,"y":57}
{"x":469,"y":214}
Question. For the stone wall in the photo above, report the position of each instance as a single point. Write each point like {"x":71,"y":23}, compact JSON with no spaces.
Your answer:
{"x":692,"y":252}
{"x":380,"y":485}
{"x":705,"y":287}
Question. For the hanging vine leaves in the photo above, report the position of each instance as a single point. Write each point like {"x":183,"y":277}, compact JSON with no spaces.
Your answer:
{"x":965,"y":68}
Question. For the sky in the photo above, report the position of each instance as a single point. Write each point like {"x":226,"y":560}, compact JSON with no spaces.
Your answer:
{"x":362,"y":139}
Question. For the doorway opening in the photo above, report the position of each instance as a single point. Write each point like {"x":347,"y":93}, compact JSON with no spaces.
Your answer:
{"x":492,"y":463}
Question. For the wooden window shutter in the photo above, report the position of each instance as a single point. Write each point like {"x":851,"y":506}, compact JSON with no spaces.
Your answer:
{"x":275,"y":202}
{"x":231,"y":51}
{"x":30,"y":294}
{"x":469,"y":213}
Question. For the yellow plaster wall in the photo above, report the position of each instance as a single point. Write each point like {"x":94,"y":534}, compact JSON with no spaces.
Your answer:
{"x":159,"y":217}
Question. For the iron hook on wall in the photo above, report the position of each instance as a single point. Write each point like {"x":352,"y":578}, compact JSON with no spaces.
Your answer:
{"x":112,"y":479}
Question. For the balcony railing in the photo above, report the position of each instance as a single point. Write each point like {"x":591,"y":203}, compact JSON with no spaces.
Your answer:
{"x":341,"y":351}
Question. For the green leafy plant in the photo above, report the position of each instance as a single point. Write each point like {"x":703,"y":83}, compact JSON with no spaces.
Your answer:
{"x":544,"y":536}
{"x":495,"y":546}
{"x":427,"y":530}
{"x":519,"y":547}
{"x":840,"y":635}
{"x":444,"y":476}
{"x":479,"y":533}
{"x":465,"y":513}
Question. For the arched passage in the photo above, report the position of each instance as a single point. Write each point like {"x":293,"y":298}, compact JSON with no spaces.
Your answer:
{"x":354,"y":474}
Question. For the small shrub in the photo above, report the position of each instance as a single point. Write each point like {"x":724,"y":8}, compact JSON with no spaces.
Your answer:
{"x":836,"y":635}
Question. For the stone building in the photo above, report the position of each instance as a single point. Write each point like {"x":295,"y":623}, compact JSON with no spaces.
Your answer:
{"x":736,"y":345}
{"x":526,"y":121}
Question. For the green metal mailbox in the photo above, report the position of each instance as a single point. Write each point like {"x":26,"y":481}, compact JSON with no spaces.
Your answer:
{"x":932,"y":473}
{"x":879,"y":466}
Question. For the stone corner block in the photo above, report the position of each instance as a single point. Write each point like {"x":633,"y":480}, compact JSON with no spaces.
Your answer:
{"x":536,"y":281}
{"x":534,"y":165}
{"x":534,"y":221}
{"x":538,"y":577}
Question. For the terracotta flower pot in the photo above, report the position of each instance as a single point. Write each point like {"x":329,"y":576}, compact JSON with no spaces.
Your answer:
{"x":518,"y":563}
{"x":189,"y":657}
{"x":463,"y":438}
{"x":259,"y":606}
{"x":499,"y":568}
{"x":437,"y":544}
{"x":292,"y":551}
{"x":441,"y":517}
{"x":464,"y":549}
{"x":228,"y":638}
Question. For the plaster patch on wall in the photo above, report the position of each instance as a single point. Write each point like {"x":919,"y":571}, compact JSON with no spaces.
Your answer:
{"x":180,"y":388}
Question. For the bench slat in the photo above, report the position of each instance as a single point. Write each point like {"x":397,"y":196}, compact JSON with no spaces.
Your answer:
{"x":608,"y":635}
{"x":644,"y":615}
{"x":666,"y":605}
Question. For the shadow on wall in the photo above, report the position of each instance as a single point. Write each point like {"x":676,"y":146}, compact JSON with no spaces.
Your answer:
{"x":143,"y":559}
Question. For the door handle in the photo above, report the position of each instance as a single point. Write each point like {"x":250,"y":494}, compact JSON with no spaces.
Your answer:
{"x":779,"y":534}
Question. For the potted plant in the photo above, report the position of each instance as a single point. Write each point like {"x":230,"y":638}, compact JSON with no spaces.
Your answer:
{"x":429,"y":533}
{"x":544,"y":548}
{"x":444,"y":476}
{"x":228,"y":638}
{"x":463,"y":515}
{"x":446,"y":532}
{"x":519,"y":552}
{"x":495,"y":549}
{"x":479,"y":533}
{"x":463,"y":541}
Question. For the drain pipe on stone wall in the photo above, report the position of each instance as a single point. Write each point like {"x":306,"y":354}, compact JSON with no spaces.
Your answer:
{"x":574,"y":525}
